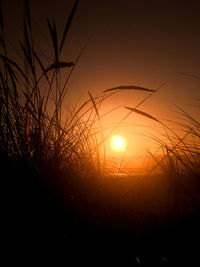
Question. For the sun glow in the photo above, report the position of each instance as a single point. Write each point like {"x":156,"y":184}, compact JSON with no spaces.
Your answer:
{"x":118,"y":143}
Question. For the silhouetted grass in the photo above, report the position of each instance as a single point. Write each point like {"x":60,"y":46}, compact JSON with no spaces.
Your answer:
{"x":56,"y":192}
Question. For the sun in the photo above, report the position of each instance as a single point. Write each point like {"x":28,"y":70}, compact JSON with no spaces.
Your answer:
{"x":118,"y":143}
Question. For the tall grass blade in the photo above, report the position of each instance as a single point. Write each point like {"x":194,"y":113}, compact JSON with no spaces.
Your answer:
{"x":129,"y":87}
{"x":55,"y":39}
{"x":142,"y":113}
{"x":140,"y":103}
{"x":189,"y":75}
{"x":28,"y":46}
{"x":41,"y":65}
{"x":13,"y":79}
{"x":93,"y":102}
{"x":28,"y":56}
{"x":68,"y":24}
{"x":28,"y":16}
{"x":53,"y":34}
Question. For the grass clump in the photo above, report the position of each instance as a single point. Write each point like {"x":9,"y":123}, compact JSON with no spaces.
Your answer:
{"x":52,"y":164}
{"x":52,"y":155}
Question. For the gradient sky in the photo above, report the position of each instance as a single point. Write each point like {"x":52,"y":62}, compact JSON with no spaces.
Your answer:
{"x":142,"y":43}
{"x":131,"y":42}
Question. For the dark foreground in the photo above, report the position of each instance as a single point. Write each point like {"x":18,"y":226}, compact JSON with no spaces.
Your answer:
{"x":131,"y":221}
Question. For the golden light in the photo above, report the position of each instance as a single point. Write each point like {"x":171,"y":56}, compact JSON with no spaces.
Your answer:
{"x":118,"y":143}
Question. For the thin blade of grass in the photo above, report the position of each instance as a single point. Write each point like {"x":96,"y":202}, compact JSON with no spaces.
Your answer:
{"x":142,"y":113}
{"x":93,"y":102}
{"x":28,"y":57}
{"x":53,"y":34}
{"x":140,"y":103}
{"x":28,"y":47}
{"x":129,"y":87}
{"x":41,"y":65}
{"x":13,"y":78}
{"x":68,"y":24}
{"x":189,"y":75}
{"x":28,"y":16}
{"x":101,"y":128}
{"x":55,"y":41}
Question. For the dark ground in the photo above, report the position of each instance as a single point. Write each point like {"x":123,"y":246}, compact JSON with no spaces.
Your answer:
{"x":112,"y":221}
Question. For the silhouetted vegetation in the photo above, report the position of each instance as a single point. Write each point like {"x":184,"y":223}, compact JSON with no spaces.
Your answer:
{"x":55,"y":191}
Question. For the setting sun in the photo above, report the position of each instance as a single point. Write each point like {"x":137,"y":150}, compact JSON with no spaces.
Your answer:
{"x":118,"y":143}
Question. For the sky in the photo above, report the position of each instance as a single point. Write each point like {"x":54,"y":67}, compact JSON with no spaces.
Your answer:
{"x":129,"y":42}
